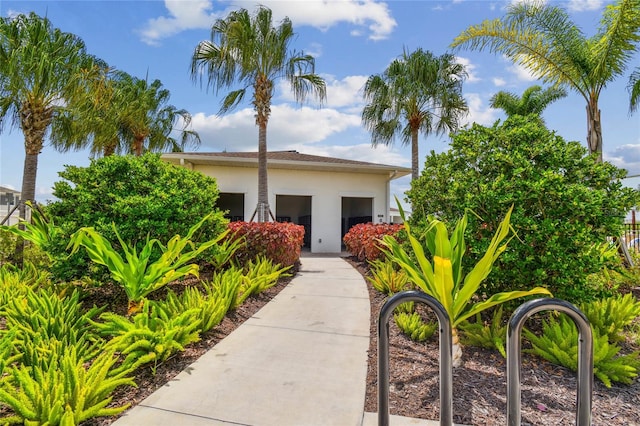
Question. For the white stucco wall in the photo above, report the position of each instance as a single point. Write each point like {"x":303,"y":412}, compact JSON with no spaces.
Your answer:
{"x":326,"y":190}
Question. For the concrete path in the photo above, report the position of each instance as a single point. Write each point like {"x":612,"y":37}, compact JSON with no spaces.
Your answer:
{"x":301,"y":360}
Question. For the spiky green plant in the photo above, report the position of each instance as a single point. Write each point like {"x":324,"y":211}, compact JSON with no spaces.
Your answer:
{"x":67,"y":392}
{"x":40,"y":231}
{"x":260,"y":275}
{"x":414,"y":327}
{"x":558,"y":344}
{"x":490,"y":336}
{"x":151,"y":335}
{"x":611,"y":315}
{"x":386,"y":278}
{"x":138,"y":275}
{"x":224,"y":252}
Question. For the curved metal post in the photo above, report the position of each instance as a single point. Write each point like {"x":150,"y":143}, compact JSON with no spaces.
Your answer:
{"x":446,"y":367}
{"x":585,"y":357}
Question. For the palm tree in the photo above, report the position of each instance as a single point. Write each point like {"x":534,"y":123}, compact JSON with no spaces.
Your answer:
{"x":41,"y":68}
{"x":248,"y":50}
{"x":418,"y":92}
{"x":533,"y":100}
{"x":542,"y":38}
{"x":634,"y":90}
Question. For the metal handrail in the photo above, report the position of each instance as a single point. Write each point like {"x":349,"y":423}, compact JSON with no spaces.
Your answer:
{"x":446,"y":363}
{"x":585,"y":357}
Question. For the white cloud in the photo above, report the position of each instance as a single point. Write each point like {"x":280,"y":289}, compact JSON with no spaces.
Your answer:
{"x":582,"y":5}
{"x":529,"y":1}
{"x":183,"y":15}
{"x":478,"y":112}
{"x":346,"y":92}
{"x":287,"y":126}
{"x":521,"y":73}
{"x":472,"y":77}
{"x":498,"y":82}
{"x":626,"y":157}
{"x":373,"y":16}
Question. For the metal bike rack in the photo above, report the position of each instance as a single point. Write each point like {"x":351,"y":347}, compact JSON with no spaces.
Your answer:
{"x":446,"y":367}
{"x":585,"y":357}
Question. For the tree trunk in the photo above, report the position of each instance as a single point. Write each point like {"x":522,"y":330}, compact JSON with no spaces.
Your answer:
{"x":415,"y":167}
{"x":263,"y":187}
{"x":138,"y":145}
{"x":456,"y":349}
{"x":594,"y":129}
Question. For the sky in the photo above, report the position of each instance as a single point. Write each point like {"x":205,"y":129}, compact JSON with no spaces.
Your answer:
{"x":350,"y":40}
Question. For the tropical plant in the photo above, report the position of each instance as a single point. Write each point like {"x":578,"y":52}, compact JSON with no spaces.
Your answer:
{"x":225,"y":251}
{"x":143,"y":196}
{"x":151,"y":335}
{"x":558,"y":344}
{"x":533,"y":100}
{"x":248,"y":50}
{"x":490,"y":336}
{"x":442,"y":276}
{"x":280,"y":242}
{"x":414,"y":327}
{"x":417,"y":93}
{"x":634,"y":90}
{"x":541,"y":37}
{"x":363,"y":239}
{"x":611,"y":315}
{"x":136,"y":272}
{"x":565,"y":204}
{"x":260,"y":275}
{"x":40,"y":231}
{"x":41,"y":68}
{"x":386,"y":278}
{"x":67,"y":392}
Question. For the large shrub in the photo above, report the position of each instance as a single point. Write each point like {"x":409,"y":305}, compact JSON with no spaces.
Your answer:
{"x":279,"y":242}
{"x":565,"y":203}
{"x":144,"y":197}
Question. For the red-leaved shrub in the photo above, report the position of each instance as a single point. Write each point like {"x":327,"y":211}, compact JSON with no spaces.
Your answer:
{"x":362,"y":239}
{"x":278,"y":242}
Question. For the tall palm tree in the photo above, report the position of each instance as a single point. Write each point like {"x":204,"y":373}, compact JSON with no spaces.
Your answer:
{"x":542,"y":38}
{"x":634,"y":90}
{"x":41,"y":68}
{"x":250,"y":51}
{"x":533,"y":100}
{"x":418,"y":92}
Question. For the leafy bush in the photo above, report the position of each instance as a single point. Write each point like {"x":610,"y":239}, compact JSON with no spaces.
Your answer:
{"x":279,"y":242}
{"x":558,"y":344}
{"x":411,"y":324}
{"x":363,"y":239}
{"x":144,"y":197}
{"x":565,"y":203}
{"x":386,"y":278}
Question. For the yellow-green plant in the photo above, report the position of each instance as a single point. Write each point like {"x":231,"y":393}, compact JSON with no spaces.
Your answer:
{"x":386,"y":278}
{"x":490,"y":336}
{"x":39,"y":231}
{"x":558,"y":344}
{"x":260,"y":276}
{"x":136,"y":272}
{"x":611,"y":315}
{"x":414,"y":327}
{"x":442,"y":277}
{"x":224,"y":252}
{"x":67,"y":392}
{"x":151,"y":335}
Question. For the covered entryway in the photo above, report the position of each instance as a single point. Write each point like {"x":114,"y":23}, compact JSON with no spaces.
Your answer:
{"x":233,"y":203}
{"x":295,"y":209}
{"x":355,"y":210}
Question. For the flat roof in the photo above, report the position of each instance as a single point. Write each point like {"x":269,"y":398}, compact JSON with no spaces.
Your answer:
{"x":292,"y":160}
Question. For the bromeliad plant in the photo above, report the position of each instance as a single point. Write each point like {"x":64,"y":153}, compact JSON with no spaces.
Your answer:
{"x":136,"y":272}
{"x":442,"y":276}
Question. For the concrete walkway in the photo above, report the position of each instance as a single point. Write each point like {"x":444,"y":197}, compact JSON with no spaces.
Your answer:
{"x":300,"y":360}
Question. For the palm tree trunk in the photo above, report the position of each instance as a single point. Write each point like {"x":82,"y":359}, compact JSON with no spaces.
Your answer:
{"x":263,"y":190}
{"x":594,"y":129}
{"x":415,"y":167}
{"x":138,"y":144}
{"x":456,"y":349}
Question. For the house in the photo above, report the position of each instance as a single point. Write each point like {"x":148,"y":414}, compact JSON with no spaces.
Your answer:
{"x":9,"y":199}
{"x":326,"y":195}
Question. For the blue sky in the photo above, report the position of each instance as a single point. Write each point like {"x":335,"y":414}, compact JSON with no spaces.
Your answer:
{"x":350,"y":39}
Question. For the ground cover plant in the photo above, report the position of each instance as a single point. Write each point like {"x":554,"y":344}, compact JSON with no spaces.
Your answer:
{"x":62,"y":359}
